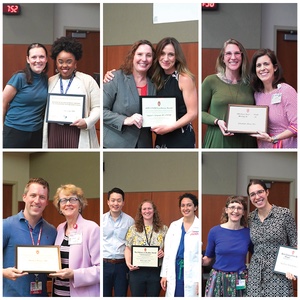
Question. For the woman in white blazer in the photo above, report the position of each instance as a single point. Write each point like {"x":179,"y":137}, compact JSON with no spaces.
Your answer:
{"x":180,"y":274}
{"x":66,"y":52}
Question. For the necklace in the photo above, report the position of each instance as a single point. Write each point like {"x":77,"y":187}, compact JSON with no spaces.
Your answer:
{"x":166,"y":80}
{"x":148,"y":239}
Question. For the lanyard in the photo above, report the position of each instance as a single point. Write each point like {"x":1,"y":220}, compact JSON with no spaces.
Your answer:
{"x":69,"y":83}
{"x":31,"y":235}
{"x":148,"y":241}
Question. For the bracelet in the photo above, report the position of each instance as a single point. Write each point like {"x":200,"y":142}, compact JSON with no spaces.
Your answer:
{"x":274,"y":139}
{"x":216,"y":121}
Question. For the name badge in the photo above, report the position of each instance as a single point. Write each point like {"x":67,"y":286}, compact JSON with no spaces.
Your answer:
{"x":241,"y":284}
{"x":276,"y":98}
{"x":75,"y":238}
{"x":35,"y":287}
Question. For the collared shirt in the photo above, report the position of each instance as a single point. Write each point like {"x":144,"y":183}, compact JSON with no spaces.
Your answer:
{"x":16,"y":232}
{"x":114,"y":235}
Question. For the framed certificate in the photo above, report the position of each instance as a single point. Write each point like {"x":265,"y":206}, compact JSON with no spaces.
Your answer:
{"x":158,"y":110}
{"x":38,"y":259}
{"x":247,"y":118}
{"x":144,"y":256}
{"x":64,"y":108}
{"x":287,"y":260}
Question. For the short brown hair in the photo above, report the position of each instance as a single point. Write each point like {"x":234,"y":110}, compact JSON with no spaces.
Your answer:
{"x":37,"y":180}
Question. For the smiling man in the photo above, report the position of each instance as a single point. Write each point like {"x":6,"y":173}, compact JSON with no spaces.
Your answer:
{"x":26,"y":228}
{"x":115,"y":226}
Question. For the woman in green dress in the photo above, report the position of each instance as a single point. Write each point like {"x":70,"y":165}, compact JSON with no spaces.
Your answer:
{"x":229,"y":86}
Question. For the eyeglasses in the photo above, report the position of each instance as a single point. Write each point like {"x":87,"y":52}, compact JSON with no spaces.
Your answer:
{"x":229,"y":54}
{"x":258,"y":193}
{"x":233,"y":208}
{"x":72,"y":200}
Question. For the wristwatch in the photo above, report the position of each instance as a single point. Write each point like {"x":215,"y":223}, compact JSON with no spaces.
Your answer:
{"x":274,"y":139}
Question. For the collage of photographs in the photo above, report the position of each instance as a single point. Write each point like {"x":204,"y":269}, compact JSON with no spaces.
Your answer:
{"x":111,"y":184}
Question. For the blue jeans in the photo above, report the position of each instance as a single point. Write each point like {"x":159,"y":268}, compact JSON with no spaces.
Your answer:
{"x":115,"y":278}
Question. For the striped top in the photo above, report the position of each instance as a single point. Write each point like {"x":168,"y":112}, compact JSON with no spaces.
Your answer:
{"x":61,"y":287}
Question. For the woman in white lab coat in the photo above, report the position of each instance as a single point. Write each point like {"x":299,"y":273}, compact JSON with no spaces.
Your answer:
{"x":180,"y":272}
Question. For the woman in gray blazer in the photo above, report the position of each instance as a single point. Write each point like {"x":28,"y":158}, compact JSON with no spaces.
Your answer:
{"x":122,"y":119}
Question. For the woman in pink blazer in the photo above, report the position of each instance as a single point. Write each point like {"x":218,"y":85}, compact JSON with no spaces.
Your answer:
{"x":80,"y":247}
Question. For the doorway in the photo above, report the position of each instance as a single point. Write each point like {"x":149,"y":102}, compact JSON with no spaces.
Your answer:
{"x":90,"y":40}
{"x":286,"y":50}
{"x":7,"y":200}
{"x":90,"y":61}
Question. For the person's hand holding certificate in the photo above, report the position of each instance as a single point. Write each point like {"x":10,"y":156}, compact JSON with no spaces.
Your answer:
{"x":158,"y":110}
{"x":287,"y":261}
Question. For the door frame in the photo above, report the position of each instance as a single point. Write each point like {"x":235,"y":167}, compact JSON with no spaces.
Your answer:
{"x":291,"y":181}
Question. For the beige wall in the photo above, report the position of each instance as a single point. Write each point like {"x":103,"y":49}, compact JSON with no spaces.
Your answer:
{"x":125,"y":23}
{"x":79,"y":168}
{"x":150,"y":171}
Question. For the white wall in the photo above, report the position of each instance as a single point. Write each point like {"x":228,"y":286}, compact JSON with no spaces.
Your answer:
{"x":85,"y":16}
{"x":151,"y":171}
{"x":276,"y":15}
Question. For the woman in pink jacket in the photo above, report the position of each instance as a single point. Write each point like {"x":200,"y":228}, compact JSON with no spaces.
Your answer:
{"x":80,"y":247}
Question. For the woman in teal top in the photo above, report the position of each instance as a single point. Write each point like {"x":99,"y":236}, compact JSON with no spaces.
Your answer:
{"x":229,"y":86}
{"x":24,"y":101}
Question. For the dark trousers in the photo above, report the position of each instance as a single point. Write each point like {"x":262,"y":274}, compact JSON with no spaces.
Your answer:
{"x":13,"y":138}
{"x":115,"y":277}
{"x":145,"y":282}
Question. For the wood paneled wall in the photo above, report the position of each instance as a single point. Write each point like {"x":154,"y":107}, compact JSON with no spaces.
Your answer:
{"x":167,"y":204}
{"x":14,"y":59}
{"x":51,"y":215}
{"x":113,"y":57}
{"x":212,"y":207}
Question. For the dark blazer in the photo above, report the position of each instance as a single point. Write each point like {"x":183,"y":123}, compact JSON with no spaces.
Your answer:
{"x":121,"y":100}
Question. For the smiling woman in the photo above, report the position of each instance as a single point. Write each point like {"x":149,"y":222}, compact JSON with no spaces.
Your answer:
{"x":24,"y":101}
{"x":228,"y":245}
{"x":121,"y":100}
{"x":229,"y":86}
{"x":80,"y":247}
{"x":270,"y":226}
{"x":81,"y":133}
{"x":179,"y":276}
{"x":147,"y":231}
{"x":271,"y":90}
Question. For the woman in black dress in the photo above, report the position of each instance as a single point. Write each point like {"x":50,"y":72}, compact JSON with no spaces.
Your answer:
{"x":172,"y":78}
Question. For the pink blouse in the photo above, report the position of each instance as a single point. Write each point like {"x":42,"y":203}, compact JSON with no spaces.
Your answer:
{"x":282,"y":104}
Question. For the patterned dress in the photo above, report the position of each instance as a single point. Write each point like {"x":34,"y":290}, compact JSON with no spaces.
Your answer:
{"x":278,"y":228}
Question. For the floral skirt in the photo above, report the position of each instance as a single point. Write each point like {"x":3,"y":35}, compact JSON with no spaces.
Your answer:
{"x":226,"y":284}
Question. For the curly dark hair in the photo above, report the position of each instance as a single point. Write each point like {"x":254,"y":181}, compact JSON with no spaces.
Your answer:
{"x":68,"y":44}
{"x":139,"y":220}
